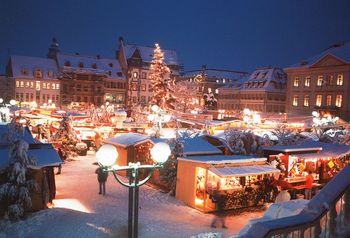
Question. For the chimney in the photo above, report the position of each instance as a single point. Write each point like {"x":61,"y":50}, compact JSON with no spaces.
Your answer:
{"x":98,"y":56}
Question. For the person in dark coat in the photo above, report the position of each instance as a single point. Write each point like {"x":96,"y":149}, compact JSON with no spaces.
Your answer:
{"x":102,"y":178}
{"x":220,"y":200}
{"x":63,"y":158}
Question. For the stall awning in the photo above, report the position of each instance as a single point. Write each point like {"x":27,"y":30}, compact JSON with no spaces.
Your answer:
{"x":244,"y":170}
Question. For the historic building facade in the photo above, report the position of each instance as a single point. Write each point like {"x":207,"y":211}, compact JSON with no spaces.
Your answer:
{"x":135,"y":61}
{"x":263,"y":91}
{"x":34,"y":80}
{"x":87,"y":80}
{"x":321,"y":83}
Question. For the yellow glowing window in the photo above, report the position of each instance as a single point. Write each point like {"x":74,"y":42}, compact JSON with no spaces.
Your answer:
{"x":318,"y":100}
{"x":296,"y":82}
{"x":17,"y":84}
{"x":320,"y":80}
{"x":307,"y":81}
{"x":306,"y":100}
{"x":338,"y":100}
{"x":340,"y":79}
{"x":295,"y":100}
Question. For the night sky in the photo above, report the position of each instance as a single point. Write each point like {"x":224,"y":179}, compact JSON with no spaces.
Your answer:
{"x":237,"y":35}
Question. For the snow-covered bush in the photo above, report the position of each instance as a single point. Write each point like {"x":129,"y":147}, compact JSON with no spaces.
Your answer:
{"x":17,"y":183}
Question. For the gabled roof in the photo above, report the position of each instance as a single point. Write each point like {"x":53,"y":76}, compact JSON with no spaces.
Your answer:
{"x":146,"y":53}
{"x":224,"y":159}
{"x":266,"y":79}
{"x":109,"y":67}
{"x":199,"y":146}
{"x":340,"y":51}
{"x":218,"y":73}
{"x":128,"y":139}
{"x":24,"y":67}
{"x":43,"y":154}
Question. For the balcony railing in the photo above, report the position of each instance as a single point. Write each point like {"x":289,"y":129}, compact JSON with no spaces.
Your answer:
{"x":327,"y":215}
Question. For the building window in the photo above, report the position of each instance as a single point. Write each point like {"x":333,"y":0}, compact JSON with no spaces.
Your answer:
{"x":328,"y":100}
{"x":307,"y":81}
{"x":57,"y":86}
{"x":81,"y":65}
{"x":110,"y":65}
{"x":209,"y":90}
{"x":67,"y":63}
{"x":17,"y":84}
{"x":320,"y":80}
{"x":38,"y":73}
{"x":53,"y":86}
{"x":329,"y":80}
{"x":143,"y":75}
{"x":295,"y":100}
{"x":50,"y":74}
{"x":37,"y":85}
{"x":32,"y":84}
{"x":27,"y":84}
{"x":338,"y":100}
{"x":306,"y":100}
{"x":135,"y":75}
{"x":22,"y":84}
{"x":296,"y":82}
{"x":340,"y":79}
{"x":143,"y":87}
{"x":318,"y":100}
{"x":134,"y":99}
{"x":134,"y":86}
{"x":217,"y":91}
{"x":143,"y":99}
{"x":94,"y":66}
{"x":44,"y":85}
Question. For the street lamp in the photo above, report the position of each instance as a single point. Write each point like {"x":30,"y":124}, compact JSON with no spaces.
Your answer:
{"x":106,"y":157}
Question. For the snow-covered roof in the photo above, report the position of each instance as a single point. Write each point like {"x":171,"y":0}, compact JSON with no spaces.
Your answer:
{"x":26,"y":136}
{"x":328,"y":150}
{"x":266,"y":79}
{"x":340,"y":51}
{"x":244,"y":170}
{"x":24,"y":67}
{"x":89,"y":64}
{"x":224,"y":159}
{"x":293,"y":148}
{"x":146,"y":53}
{"x":128,"y":139}
{"x":44,"y":155}
{"x":199,"y":146}
{"x":217,"y":74}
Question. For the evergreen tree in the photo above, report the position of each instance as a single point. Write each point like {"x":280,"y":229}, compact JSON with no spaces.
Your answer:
{"x":67,"y":138}
{"x":15,"y":191}
{"x":162,"y":84}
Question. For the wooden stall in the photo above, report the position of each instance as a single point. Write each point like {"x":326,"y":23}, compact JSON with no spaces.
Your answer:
{"x":238,"y":178}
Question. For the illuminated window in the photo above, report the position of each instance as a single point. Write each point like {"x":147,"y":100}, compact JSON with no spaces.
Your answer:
{"x":27,"y":84}
{"x":328,"y":100}
{"x":306,"y":100}
{"x":307,"y":81}
{"x":22,"y":84}
{"x":296,"y":82}
{"x":209,"y":90}
{"x":223,"y":80}
{"x":134,"y":86}
{"x":44,"y":85}
{"x":48,"y":85}
{"x":53,"y":86}
{"x":217,"y":91}
{"x":135,"y":75}
{"x":37,"y":85}
{"x":319,"y":80}
{"x":38,"y":73}
{"x":57,"y":86}
{"x":338,"y":100}
{"x":17,"y":84}
{"x":143,"y":88}
{"x":340,"y":79}
{"x":32,"y":84}
{"x":318,"y":100}
{"x":295,"y":100}
{"x":329,"y":80}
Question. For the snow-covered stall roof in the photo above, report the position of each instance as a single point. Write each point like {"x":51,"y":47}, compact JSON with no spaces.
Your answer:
{"x":199,"y":146}
{"x":152,"y":140}
{"x":224,"y":159}
{"x":44,"y":155}
{"x":109,"y":67}
{"x":293,"y":148}
{"x":146,"y":52}
{"x":329,"y":150}
{"x":24,"y":67}
{"x":26,"y":136}
{"x":126,"y":140}
{"x":244,"y":170}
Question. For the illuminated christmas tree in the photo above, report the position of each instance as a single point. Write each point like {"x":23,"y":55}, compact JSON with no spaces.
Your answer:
{"x":162,"y":84}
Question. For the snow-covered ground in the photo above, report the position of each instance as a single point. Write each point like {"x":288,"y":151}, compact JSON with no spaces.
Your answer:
{"x":81,"y":212}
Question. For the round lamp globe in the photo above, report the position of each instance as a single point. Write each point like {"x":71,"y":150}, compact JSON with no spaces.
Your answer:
{"x":160,"y":152}
{"x":107,"y":155}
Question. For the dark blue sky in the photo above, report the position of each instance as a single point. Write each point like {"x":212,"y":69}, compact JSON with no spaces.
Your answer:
{"x":232,"y":34}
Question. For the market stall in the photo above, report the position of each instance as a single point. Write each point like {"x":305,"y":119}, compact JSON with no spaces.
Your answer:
{"x":238,"y":178}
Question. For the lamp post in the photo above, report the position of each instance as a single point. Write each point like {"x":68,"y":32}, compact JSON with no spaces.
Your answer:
{"x":106,"y":157}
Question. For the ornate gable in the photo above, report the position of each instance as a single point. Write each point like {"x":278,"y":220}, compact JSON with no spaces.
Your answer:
{"x":327,"y":61}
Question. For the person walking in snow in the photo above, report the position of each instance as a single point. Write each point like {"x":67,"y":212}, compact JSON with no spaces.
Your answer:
{"x":102,"y":178}
{"x":63,"y":158}
{"x":219,"y":199}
